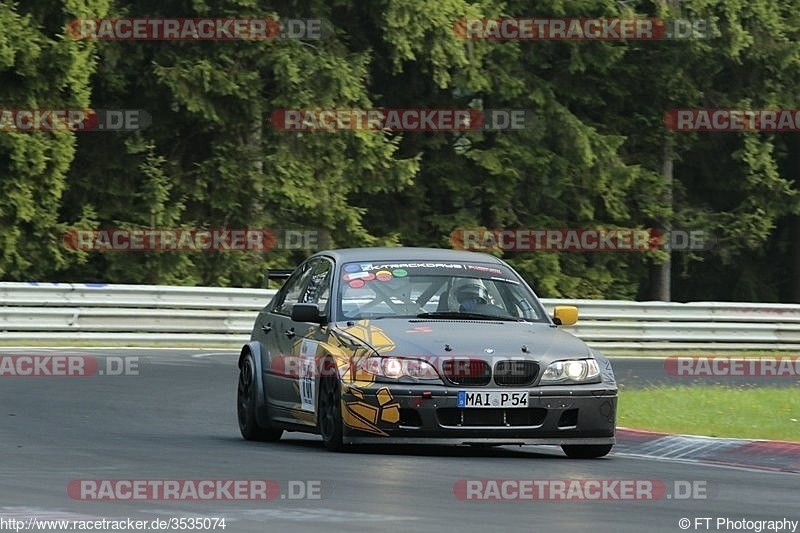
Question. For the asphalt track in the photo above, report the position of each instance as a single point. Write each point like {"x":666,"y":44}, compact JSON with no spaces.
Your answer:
{"x":176,"y":420}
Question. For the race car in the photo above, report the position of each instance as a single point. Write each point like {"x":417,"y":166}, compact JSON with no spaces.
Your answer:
{"x":421,"y":345}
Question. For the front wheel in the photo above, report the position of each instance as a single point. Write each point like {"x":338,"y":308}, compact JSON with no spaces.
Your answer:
{"x":586,"y":451}
{"x":246,"y":405}
{"x":331,"y":426}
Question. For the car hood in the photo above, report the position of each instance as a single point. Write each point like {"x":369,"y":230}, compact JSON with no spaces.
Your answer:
{"x":466,"y":338}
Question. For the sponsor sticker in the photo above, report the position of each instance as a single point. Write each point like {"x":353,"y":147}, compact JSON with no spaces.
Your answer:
{"x":308,"y":352}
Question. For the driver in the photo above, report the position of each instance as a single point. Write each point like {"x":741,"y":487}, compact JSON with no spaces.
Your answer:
{"x":470,"y":294}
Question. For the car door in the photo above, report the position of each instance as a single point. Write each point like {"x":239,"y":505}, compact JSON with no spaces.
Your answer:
{"x":274,"y":330}
{"x":307,"y":339}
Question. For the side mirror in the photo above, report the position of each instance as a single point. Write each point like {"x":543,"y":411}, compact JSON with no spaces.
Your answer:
{"x":307,"y":313}
{"x":565,"y":315}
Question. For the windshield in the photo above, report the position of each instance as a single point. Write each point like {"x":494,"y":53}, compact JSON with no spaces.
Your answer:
{"x":370,"y":290}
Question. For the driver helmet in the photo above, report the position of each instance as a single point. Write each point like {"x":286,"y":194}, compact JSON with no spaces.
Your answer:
{"x":470,"y":293}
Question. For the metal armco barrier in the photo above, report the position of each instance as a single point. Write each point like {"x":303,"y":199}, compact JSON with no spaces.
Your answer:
{"x":214,"y":316}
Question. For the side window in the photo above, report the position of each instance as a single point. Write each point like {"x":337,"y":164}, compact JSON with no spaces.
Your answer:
{"x":319,"y":287}
{"x":291,"y":292}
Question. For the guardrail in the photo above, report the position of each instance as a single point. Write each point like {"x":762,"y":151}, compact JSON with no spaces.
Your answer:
{"x":212,"y":316}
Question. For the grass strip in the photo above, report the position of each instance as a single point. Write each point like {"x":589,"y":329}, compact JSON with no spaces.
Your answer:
{"x":715,"y":411}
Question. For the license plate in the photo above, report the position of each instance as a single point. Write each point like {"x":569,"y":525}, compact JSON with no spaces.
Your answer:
{"x":504,"y":399}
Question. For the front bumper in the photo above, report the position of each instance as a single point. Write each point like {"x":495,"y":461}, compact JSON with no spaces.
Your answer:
{"x":389,"y":413}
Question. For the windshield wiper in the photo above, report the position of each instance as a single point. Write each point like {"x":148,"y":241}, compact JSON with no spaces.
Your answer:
{"x":467,"y":316}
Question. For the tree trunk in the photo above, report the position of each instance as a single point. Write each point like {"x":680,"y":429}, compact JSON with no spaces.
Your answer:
{"x":662,"y":278}
{"x":794,"y":233}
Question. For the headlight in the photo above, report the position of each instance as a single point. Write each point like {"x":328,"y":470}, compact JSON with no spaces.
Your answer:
{"x":572,"y":371}
{"x":392,"y":367}
{"x":399,"y":367}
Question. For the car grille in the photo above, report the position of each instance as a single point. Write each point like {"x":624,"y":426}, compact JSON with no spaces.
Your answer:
{"x":477,"y":372}
{"x":455,"y":417}
{"x":515,"y":372}
{"x":467,"y":372}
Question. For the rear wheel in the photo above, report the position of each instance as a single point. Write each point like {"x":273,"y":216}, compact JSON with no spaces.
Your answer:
{"x":331,"y":426}
{"x":246,"y":405}
{"x":586,"y":451}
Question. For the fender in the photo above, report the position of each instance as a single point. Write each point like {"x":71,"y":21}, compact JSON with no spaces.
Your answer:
{"x":262,"y":408}
{"x":606,"y":371}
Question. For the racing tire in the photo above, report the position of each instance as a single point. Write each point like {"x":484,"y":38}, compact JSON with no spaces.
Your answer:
{"x":586,"y":451}
{"x":246,"y":406}
{"x":331,"y":426}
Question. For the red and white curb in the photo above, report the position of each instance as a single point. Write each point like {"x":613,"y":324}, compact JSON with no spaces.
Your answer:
{"x":779,"y":456}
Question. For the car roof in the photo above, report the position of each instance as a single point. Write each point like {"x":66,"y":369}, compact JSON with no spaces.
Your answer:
{"x":408,"y":254}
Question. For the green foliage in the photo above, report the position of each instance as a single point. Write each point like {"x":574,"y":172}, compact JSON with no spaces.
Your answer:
{"x":39,"y":69}
{"x":593,"y":158}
